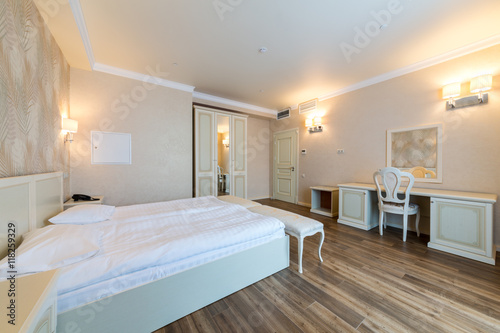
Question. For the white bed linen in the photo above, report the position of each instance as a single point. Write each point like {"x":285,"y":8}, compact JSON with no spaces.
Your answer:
{"x":143,"y":243}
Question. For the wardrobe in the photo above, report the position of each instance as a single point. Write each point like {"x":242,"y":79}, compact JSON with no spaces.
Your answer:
{"x":220,"y":153}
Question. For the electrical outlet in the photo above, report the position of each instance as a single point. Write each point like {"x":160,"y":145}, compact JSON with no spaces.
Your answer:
{"x":340,"y":151}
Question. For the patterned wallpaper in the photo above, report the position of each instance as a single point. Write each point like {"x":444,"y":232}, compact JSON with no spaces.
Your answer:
{"x":34,"y":93}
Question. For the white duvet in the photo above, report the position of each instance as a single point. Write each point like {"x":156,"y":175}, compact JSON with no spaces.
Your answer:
{"x":141,"y":243}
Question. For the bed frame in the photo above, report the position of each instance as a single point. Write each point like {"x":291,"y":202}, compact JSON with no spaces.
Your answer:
{"x":30,"y":200}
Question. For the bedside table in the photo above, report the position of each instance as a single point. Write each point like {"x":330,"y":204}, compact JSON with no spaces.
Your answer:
{"x":35,"y":303}
{"x":71,"y":202}
{"x":325,"y":200}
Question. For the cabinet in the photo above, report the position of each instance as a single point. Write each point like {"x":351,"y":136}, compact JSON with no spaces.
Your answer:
{"x":35,"y":303}
{"x":462,"y":228}
{"x":358,"y":208}
{"x":220,"y":153}
{"x":325,"y":200}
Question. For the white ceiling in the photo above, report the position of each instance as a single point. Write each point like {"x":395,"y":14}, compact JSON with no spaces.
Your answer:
{"x":216,"y":49}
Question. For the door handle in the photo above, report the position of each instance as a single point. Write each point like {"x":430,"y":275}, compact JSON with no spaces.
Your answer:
{"x":292,"y":168}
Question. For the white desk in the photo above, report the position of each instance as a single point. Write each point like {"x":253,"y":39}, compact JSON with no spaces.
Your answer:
{"x":325,"y":200}
{"x":460,"y":222}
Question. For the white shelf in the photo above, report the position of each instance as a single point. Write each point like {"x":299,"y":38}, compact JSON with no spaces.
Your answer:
{"x":325,"y":200}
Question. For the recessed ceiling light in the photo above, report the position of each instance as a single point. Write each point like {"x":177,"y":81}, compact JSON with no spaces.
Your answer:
{"x":383,"y":26}
{"x":263,"y":50}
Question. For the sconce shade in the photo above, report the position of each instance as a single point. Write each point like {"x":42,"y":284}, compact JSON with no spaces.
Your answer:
{"x":309,"y":122}
{"x":69,"y":125}
{"x":481,"y":83}
{"x":451,"y":90}
{"x":317,"y":121}
{"x":225,"y":142}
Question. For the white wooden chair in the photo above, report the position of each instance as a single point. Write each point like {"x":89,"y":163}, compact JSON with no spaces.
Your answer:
{"x":390,"y":202}
{"x":421,"y":172}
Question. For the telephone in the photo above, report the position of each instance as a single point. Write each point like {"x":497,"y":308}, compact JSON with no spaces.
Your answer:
{"x":83,"y":197}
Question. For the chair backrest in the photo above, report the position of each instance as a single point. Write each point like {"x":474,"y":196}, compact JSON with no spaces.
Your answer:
{"x":391,"y":180}
{"x":421,"y":172}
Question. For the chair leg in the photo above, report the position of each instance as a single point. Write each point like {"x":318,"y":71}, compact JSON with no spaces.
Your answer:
{"x":405,"y":226}
{"x":321,"y":244}
{"x":385,"y":220}
{"x":300,"y":243}
{"x":417,"y":221}
{"x":381,"y":221}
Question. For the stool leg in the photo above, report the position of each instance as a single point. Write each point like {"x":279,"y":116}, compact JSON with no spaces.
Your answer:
{"x":321,"y":244}
{"x":300,"y":241}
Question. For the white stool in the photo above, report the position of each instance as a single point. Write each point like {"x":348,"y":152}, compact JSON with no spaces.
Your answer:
{"x":296,"y":225}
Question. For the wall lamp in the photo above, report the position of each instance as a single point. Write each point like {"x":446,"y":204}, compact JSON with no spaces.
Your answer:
{"x":478,"y":85}
{"x":225,"y":142}
{"x":314,"y":124}
{"x":69,"y":126}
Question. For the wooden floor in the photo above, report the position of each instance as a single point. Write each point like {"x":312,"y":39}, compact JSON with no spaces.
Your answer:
{"x":367,"y":283}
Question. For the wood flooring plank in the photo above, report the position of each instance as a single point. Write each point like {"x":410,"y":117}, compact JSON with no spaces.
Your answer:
{"x":367,"y":283}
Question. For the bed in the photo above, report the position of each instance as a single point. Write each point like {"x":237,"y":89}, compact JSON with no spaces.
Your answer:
{"x":184,"y":283}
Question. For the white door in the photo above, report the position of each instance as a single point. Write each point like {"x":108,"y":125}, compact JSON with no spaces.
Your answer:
{"x":205,"y":153}
{"x":238,"y":144}
{"x":285,"y":166}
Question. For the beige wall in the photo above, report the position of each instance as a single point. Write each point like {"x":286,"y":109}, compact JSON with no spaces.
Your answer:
{"x":357,"y":122}
{"x":258,"y":139}
{"x":34,"y":94}
{"x":160,"y":122}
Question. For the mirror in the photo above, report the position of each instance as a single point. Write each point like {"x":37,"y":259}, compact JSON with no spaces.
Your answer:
{"x":417,"y":150}
{"x":223,"y":155}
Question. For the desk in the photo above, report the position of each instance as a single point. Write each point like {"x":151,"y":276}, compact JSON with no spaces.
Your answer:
{"x":460,"y":222}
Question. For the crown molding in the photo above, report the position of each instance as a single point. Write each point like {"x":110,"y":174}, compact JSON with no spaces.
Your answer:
{"x":142,"y":77}
{"x":231,"y":102}
{"x":471,"y":48}
{"x":76,"y":8}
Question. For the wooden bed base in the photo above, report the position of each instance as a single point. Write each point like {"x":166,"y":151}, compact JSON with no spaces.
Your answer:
{"x":30,"y":200}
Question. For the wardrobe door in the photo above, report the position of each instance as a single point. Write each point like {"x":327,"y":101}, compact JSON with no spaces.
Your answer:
{"x":205,"y":153}
{"x":239,"y":156}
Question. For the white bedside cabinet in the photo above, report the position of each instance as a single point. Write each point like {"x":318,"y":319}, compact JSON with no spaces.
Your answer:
{"x":34,"y":299}
{"x":72,"y":203}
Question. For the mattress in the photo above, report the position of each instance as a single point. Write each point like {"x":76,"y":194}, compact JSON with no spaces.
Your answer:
{"x":143,"y":243}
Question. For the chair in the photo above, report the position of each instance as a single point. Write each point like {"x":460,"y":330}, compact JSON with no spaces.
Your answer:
{"x":390,"y":202}
{"x":421,"y":172}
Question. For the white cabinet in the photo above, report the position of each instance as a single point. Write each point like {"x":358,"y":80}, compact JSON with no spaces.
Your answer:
{"x":325,"y":200}
{"x":220,"y":153}
{"x":358,"y":208}
{"x":33,"y":301}
{"x":463,"y":228}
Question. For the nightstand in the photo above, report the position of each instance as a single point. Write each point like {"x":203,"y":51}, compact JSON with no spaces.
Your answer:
{"x":325,"y":200}
{"x":35,"y":303}
{"x":71,"y":202}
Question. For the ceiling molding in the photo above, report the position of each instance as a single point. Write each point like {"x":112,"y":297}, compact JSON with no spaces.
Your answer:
{"x":471,"y":48}
{"x":230,"y":102}
{"x":142,"y":77}
{"x":76,"y":8}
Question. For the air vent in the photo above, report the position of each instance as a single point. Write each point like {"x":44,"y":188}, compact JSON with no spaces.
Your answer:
{"x":283,"y":114}
{"x":308,"y":106}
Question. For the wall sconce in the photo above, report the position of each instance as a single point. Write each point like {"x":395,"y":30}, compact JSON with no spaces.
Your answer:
{"x":225,"y":142}
{"x":314,"y":125}
{"x":69,"y":126}
{"x":477,"y":85}
{"x":449,"y":91}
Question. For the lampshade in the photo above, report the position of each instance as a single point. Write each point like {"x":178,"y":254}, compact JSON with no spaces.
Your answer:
{"x":481,"y":83}
{"x":225,"y":142}
{"x":69,"y":125}
{"x":317,"y":121}
{"x":451,"y":90}
{"x":309,"y":122}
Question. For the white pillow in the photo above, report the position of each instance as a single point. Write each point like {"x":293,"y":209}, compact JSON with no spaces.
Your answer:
{"x":83,"y":214}
{"x":54,"y":246}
